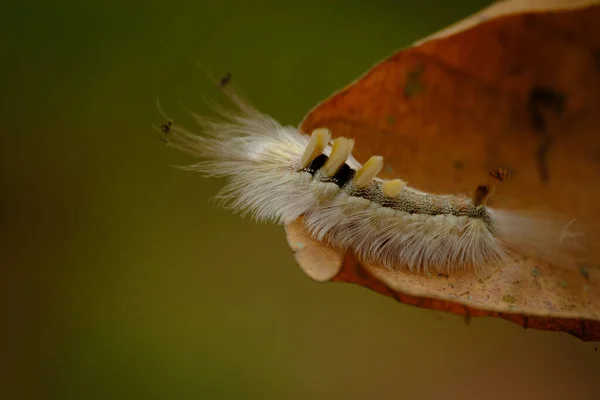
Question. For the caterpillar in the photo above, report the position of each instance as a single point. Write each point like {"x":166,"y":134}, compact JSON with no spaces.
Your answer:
{"x":279,"y":174}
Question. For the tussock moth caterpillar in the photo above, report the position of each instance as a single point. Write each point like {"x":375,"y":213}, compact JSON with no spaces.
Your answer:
{"x":278,"y":174}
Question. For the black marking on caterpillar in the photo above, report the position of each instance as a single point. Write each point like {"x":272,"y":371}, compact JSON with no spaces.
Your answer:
{"x":342,"y":177}
{"x":316,"y":164}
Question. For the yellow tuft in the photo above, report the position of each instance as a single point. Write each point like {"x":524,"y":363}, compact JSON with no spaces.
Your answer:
{"x":318,"y":141}
{"x":393,"y":187}
{"x":368,"y":172}
{"x":342,"y":147}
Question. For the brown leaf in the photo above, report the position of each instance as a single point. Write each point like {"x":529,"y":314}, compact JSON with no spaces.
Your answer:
{"x":508,"y":88}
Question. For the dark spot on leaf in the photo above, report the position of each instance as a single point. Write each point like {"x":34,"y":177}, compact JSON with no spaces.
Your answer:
{"x":391,"y":120}
{"x":413,"y":84}
{"x":458,"y":165}
{"x":542,"y":154}
{"x":508,"y":298}
{"x":583,"y":270}
{"x":546,"y":98}
{"x":541,"y":99}
{"x":535,"y":271}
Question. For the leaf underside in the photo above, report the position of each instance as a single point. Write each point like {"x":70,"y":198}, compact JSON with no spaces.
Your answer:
{"x":519,"y":91}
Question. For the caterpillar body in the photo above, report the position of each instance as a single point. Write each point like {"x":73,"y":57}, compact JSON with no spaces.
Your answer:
{"x":279,"y":174}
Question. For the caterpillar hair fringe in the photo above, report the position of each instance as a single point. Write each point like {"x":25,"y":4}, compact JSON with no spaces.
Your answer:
{"x":280,"y":174}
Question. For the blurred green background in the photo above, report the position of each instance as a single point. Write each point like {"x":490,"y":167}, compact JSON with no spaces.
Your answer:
{"x":120,"y":278}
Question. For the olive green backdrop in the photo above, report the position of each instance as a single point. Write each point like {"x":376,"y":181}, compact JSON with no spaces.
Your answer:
{"x":120,"y":279}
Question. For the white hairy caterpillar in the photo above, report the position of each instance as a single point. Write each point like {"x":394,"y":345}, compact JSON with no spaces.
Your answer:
{"x":280,"y":174}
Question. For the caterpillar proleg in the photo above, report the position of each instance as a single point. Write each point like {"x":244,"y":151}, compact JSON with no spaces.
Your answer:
{"x":279,"y":174}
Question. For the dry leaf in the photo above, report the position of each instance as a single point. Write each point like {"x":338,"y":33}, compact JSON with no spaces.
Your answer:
{"x":517,"y":86}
